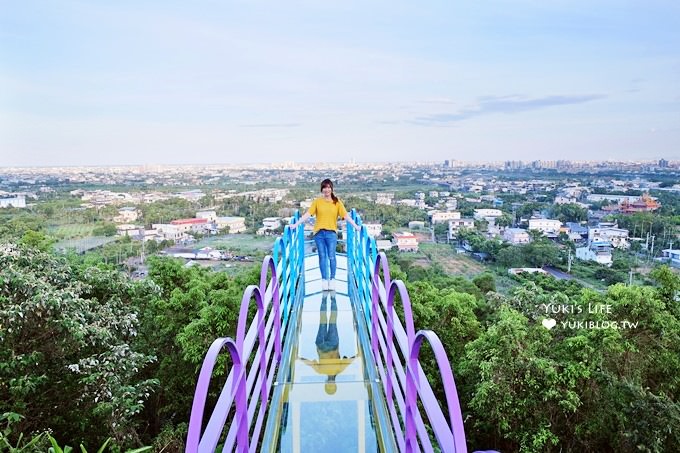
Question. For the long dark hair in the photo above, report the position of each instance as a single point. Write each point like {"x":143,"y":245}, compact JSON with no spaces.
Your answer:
{"x":328,"y":183}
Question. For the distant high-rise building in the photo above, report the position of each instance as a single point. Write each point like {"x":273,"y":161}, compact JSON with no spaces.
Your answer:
{"x":561,"y":164}
{"x":513,"y":164}
{"x":663,"y":163}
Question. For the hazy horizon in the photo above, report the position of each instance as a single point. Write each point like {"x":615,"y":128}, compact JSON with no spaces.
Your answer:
{"x":151,"y":83}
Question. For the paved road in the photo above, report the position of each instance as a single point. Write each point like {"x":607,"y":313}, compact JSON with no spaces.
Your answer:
{"x":558,"y":274}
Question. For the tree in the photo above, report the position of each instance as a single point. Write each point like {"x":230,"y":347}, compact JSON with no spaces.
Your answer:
{"x":485,"y":282}
{"x":192,"y":307}
{"x":541,"y":253}
{"x":67,"y":338}
{"x":668,"y":286}
{"x":569,"y":212}
{"x":37,"y":240}
{"x":504,"y":220}
{"x":527,"y":388}
{"x":516,"y":388}
{"x":107,"y":229}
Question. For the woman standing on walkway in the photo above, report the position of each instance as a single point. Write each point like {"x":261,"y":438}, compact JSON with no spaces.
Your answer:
{"x":327,"y":209}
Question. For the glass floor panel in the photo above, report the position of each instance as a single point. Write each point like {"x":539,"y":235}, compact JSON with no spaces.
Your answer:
{"x":327,"y":348}
{"x":312,"y":303}
{"x":315,"y":421}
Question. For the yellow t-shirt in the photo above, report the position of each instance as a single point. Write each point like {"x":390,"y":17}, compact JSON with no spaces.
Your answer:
{"x":327,"y":214}
{"x":329,"y":366}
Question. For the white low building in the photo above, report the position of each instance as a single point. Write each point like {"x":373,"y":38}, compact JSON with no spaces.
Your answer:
{"x":271,"y":223}
{"x":191,"y":225}
{"x":487,"y":214}
{"x":618,"y":237}
{"x":598,"y":251}
{"x":208,"y":253}
{"x":207,"y":214}
{"x":373,"y":229}
{"x":451,"y":204}
{"x":405,"y":242}
{"x":564,"y":200}
{"x":269,"y":226}
{"x":126,"y":215}
{"x":384,"y":245}
{"x":516,"y":236}
{"x":672,"y":256}
{"x":128,"y":229}
{"x":235,"y":224}
{"x":168,"y":232}
{"x":407,"y":202}
{"x":16,"y":201}
{"x":457,"y":224}
{"x":384,"y":198}
{"x":444,"y":216}
{"x":545,"y":226}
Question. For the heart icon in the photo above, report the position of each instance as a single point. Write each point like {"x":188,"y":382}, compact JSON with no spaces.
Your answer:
{"x":549,"y":323}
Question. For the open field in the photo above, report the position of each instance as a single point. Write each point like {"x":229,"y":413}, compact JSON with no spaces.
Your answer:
{"x":244,"y":244}
{"x":451,"y":262}
{"x":85,"y":244}
{"x":71,"y":230}
{"x":230,"y":267}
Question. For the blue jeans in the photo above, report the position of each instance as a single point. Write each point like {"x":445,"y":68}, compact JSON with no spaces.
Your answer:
{"x":327,"y":335}
{"x":326,"y":241}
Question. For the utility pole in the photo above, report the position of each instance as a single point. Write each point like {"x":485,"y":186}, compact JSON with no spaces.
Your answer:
{"x":569,"y":258}
{"x":143,"y":249}
{"x":630,"y":277}
{"x":647,"y":244}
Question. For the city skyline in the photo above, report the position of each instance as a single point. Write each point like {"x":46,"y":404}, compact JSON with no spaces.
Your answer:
{"x":256,"y":82}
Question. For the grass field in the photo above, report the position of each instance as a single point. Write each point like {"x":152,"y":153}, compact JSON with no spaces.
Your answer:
{"x":244,"y":244}
{"x":84,"y":244}
{"x":71,"y":230}
{"x":451,"y":262}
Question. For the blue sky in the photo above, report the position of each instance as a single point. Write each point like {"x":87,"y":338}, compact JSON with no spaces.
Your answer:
{"x":139,"y":82}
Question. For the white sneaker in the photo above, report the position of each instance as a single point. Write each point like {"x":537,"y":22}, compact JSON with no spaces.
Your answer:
{"x":324,"y":285}
{"x":331,"y":285}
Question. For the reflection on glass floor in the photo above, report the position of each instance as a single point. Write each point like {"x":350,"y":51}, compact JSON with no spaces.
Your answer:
{"x":326,"y":402}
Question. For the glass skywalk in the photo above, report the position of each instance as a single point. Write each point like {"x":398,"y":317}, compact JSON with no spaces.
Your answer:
{"x":326,"y":370}
{"x":327,"y":395}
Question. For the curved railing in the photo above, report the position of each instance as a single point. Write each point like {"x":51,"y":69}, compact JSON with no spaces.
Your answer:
{"x":396,"y":352}
{"x":249,"y":382}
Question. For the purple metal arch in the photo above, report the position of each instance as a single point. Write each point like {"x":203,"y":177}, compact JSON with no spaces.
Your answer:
{"x":457,"y":441}
{"x":406,"y":382}
{"x":201,"y":393}
{"x":245,"y":387}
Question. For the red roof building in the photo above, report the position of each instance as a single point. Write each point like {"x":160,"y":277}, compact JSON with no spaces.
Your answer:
{"x":643,"y":204}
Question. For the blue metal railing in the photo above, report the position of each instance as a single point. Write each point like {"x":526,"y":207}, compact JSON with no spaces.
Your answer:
{"x":361,"y":256}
